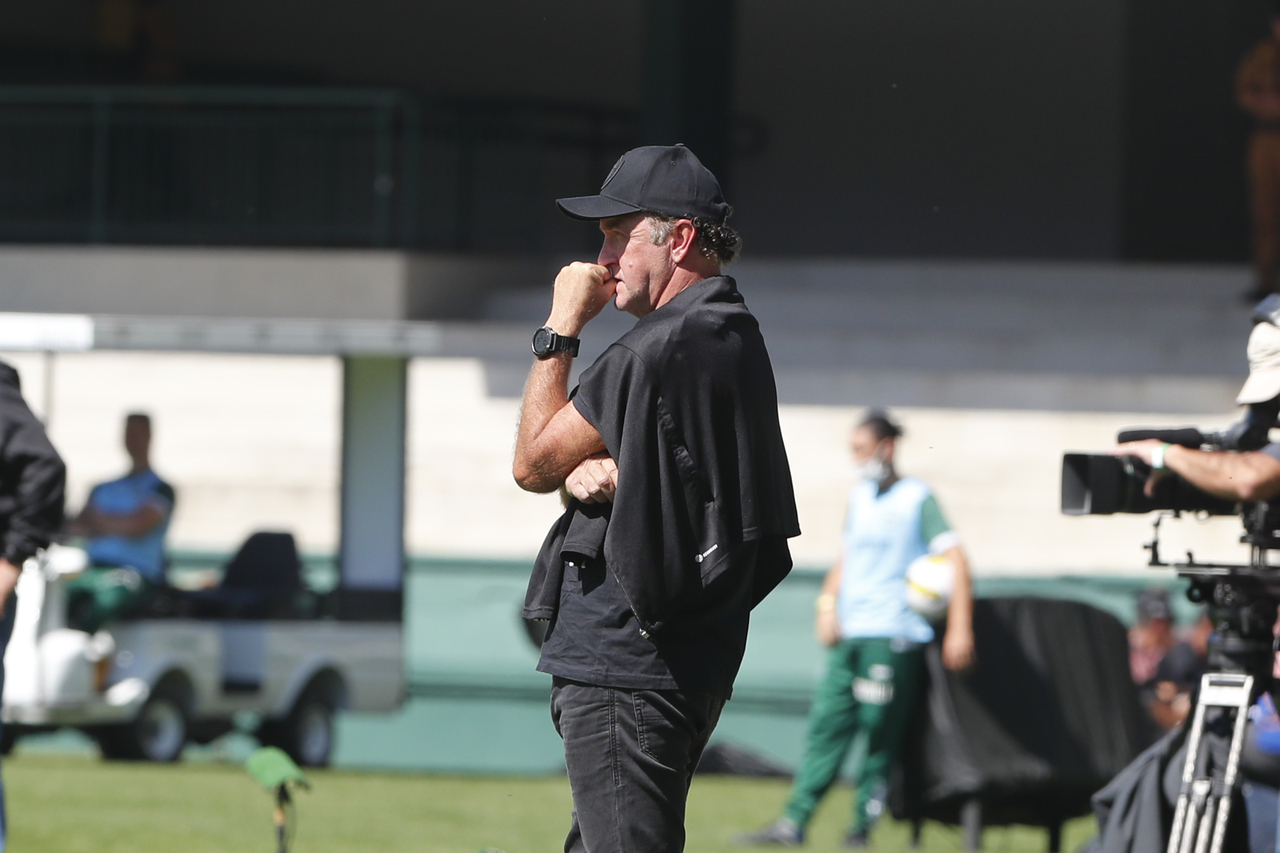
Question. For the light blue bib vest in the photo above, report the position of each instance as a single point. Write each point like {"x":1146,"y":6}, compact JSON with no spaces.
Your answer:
{"x":881,"y":538}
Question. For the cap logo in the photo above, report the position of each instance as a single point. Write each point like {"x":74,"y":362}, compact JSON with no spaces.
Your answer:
{"x":614,"y":171}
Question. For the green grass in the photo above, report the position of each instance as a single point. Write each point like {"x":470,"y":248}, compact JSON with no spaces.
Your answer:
{"x":71,"y":804}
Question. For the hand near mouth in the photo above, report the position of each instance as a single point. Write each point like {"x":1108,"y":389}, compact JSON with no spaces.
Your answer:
{"x":581,"y":292}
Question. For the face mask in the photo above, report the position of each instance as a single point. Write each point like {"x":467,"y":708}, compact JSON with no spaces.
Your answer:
{"x":874,"y":469}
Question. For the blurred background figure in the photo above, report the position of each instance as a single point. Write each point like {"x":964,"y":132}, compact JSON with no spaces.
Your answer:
{"x":32,"y":482}
{"x":1258,"y":94}
{"x":1178,"y":674}
{"x":876,"y":640}
{"x":1152,"y":636}
{"x":125,"y":520}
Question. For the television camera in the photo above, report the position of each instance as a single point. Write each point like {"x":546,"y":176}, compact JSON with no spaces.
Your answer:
{"x":1241,"y":597}
{"x":1241,"y":600}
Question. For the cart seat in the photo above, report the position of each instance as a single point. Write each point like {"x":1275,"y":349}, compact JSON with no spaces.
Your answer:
{"x":260,"y":582}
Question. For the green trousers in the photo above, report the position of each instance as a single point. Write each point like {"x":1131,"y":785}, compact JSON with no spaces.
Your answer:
{"x":102,"y":594}
{"x":864,"y":701}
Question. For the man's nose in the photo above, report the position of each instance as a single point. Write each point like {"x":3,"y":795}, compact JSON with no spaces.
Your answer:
{"x":608,"y":256}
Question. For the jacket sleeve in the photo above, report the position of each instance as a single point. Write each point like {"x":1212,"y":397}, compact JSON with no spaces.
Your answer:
{"x":36,"y":481}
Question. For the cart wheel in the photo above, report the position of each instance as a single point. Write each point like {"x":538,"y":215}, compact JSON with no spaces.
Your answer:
{"x":307,"y":733}
{"x":158,"y":733}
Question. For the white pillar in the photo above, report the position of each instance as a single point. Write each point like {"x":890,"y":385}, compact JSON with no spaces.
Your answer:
{"x":371,"y":554}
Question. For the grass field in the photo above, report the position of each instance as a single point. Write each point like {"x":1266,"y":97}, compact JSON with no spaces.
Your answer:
{"x":78,"y":804}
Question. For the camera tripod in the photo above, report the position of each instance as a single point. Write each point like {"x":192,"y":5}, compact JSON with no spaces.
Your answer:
{"x":1209,"y":777}
{"x":1241,"y":601}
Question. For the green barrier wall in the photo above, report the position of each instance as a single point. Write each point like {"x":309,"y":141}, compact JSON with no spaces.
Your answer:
{"x":476,"y":704}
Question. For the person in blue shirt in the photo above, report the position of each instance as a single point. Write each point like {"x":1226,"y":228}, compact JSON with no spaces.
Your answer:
{"x":125,"y":521}
{"x":876,"y":641}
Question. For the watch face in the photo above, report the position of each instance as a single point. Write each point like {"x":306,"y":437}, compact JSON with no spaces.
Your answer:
{"x":542,"y":342}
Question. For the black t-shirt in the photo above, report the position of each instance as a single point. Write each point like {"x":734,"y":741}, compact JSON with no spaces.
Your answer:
{"x":663,"y":579}
{"x":594,"y":637}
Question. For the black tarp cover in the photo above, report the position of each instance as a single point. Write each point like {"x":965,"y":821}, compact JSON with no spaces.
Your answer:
{"x":1046,"y":717}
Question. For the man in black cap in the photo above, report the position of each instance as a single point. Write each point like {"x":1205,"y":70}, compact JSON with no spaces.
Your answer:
{"x":678,"y":498}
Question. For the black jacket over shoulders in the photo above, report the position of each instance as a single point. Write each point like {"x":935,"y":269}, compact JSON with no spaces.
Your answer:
{"x":32,"y":476}
{"x":685,"y":403}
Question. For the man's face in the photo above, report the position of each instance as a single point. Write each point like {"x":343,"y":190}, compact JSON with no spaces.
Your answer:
{"x":863,"y":445}
{"x":137,"y":437}
{"x":639,"y":268}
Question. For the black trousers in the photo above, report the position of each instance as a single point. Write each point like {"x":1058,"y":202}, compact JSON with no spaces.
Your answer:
{"x":630,"y":756}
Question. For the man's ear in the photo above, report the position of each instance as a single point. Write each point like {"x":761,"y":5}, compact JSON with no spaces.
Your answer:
{"x":683,"y":236}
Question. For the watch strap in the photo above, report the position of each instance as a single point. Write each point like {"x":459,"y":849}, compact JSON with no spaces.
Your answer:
{"x":555,"y":343}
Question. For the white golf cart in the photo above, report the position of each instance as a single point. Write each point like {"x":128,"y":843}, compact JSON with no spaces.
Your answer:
{"x":195,"y":664}
{"x":259,"y":646}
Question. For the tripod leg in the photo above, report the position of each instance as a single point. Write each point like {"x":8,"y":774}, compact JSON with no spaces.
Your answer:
{"x":1195,"y":818}
{"x":1184,"y":816}
{"x":1208,"y":820}
{"x":1230,"y":775}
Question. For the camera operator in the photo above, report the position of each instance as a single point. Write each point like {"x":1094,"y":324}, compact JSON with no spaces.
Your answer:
{"x":1251,"y":475}
{"x":1242,"y":464}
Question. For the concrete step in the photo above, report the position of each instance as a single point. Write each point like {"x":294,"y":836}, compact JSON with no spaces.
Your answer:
{"x":986,"y":335}
{"x":1157,"y":283}
{"x":955,"y":311}
{"x":969,"y":296}
{"x":1084,"y":352}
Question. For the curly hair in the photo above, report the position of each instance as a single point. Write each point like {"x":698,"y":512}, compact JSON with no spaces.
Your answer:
{"x":715,"y":242}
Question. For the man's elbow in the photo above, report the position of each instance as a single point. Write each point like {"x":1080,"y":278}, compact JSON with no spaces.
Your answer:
{"x":1245,"y":489}
{"x":1253,"y":485}
{"x":522,"y":473}
{"x":531,"y":478}
{"x":1253,"y":488}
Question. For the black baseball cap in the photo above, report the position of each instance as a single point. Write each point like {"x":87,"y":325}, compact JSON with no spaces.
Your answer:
{"x":663,"y":179}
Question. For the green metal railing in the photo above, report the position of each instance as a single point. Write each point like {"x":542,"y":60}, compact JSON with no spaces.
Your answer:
{"x":181,"y":164}
{"x":291,"y":166}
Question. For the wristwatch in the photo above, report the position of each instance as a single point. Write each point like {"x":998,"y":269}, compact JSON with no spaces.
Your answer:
{"x":546,"y":342}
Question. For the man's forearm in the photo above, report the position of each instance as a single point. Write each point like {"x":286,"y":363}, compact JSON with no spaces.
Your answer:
{"x":1248,"y":476}
{"x":545,"y":393}
{"x":552,"y":437}
{"x":134,"y":525}
{"x":1236,"y":476}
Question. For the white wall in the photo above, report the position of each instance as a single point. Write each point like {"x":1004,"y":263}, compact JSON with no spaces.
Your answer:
{"x":251,"y":442}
